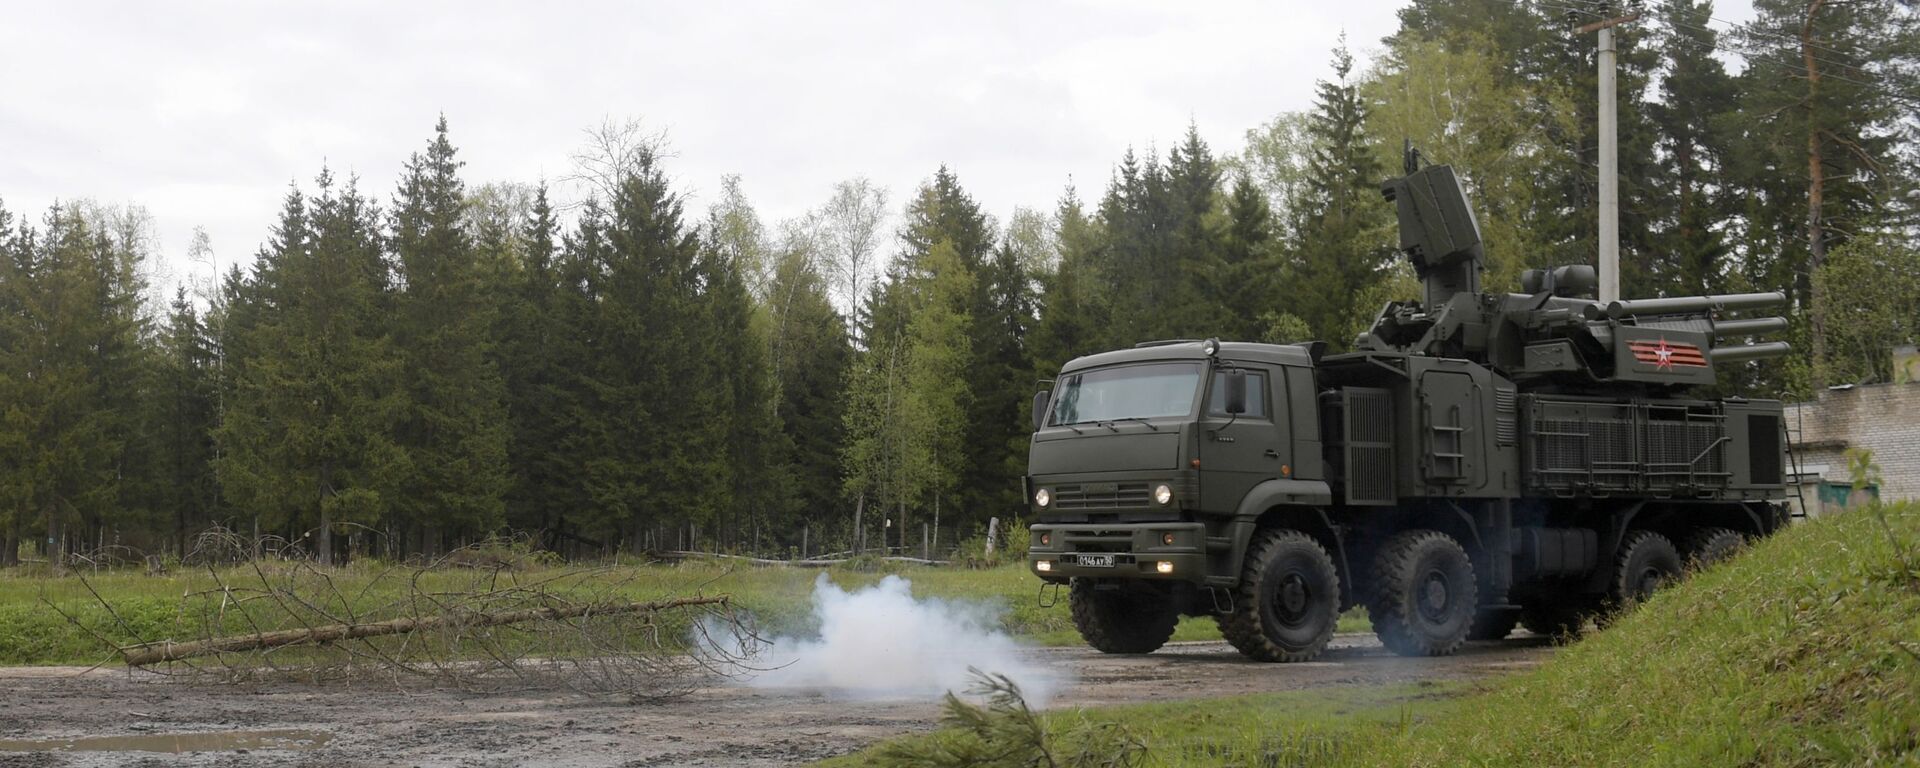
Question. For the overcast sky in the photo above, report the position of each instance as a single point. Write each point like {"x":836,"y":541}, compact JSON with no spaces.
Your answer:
{"x":203,"y":112}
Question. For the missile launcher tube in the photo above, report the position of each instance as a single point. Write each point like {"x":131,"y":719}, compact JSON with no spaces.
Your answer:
{"x":1748,"y":327}
{"x":1760,"y":351}
{"x":1686,"y":305}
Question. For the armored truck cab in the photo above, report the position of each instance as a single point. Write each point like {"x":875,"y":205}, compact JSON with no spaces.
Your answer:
{"x":1480,"y":461}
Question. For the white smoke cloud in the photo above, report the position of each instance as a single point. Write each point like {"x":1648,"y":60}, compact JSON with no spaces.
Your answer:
{"x":881,"y":642}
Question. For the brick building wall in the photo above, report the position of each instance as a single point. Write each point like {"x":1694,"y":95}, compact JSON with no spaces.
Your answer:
{"x":1883,"y":418}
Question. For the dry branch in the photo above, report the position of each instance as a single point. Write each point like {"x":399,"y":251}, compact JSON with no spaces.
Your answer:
{"x":817,"y":562}
{"x":165,"y":651}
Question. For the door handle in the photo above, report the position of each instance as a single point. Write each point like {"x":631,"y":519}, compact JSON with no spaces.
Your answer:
{"x":1272,"y":454}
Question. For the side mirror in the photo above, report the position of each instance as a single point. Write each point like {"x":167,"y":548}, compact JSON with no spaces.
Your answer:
{"x":1236,"y":390}
{"x":1040,"y":408}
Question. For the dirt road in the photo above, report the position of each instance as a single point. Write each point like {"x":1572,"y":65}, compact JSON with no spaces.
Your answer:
{"x":108,"y":718}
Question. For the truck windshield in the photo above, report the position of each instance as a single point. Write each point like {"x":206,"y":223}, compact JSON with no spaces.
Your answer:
{"x":1127,"y":392}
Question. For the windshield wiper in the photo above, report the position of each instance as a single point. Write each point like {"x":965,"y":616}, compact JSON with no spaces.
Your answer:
{"x":1135,"y":418}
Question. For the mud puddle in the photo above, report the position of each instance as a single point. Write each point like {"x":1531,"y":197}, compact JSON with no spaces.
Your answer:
{"x":177,"y":743}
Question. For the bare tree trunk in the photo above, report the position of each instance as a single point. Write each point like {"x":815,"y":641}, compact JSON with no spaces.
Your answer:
{"x":324,"y":542}
{"x":859,"y":531}
{"x":936,"y":528}
{"x":10,"y":543}
{"x":1816,"y":195}
{"x":56,"y":539}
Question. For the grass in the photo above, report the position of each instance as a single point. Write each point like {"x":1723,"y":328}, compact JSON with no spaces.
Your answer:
{"x":150,"y":607}
{"x":1273,"y":729}
{"x":1803,"y":651}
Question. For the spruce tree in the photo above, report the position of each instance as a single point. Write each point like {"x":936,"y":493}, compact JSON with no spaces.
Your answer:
{"x":810,"y":354}
{"x":650,"y":443}
{"x":1193,"y":188}
{"x":455,"y":430}
{"x":305,"y":441}
{"x":184,"y":405}
{"x":1137,"y":221}
{"x":1697,"y":98}
{"x":754,"y":453}
{"x":537,"y":351}
{"x":1344,"y":236}
{"x":1072,"y":314}
{"x":1246,"y":279}
{"x":16,"y":489}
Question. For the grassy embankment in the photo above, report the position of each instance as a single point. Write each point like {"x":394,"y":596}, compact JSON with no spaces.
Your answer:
{"x":1803,"y":651}
{"x":150,"y":607}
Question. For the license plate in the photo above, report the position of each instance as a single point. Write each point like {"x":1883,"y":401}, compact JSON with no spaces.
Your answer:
{"x":1096,"y":561}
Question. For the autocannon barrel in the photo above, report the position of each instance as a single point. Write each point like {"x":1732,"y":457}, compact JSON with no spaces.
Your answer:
{"x":1686,"y":304}
{"x":1746,"y":352}
{"x":1748,"y":327}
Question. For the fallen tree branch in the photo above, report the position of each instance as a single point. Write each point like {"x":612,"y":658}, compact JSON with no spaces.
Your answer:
{"x":166,"y":650}
{"x":817,"y":562}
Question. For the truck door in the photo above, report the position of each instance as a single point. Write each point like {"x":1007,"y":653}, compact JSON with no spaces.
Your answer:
{"x":1237,"y":453}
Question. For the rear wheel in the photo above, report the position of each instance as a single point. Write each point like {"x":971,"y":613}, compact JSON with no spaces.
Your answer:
{"x":1122,"y":617}
{"x":1646,"y":562}
{"x":1424,"y":594}
{"x":1712,"y":545}
{"x":1288,"y":600}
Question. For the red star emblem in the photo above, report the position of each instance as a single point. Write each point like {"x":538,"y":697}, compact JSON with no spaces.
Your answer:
{"x":1663,"y":355}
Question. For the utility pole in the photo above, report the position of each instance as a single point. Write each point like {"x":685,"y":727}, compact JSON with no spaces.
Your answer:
{"x":1609,"y":159}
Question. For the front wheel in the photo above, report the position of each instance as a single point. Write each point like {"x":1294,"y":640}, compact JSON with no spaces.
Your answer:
{"x":1424,"y":594}
{"x":1122,"y":617}
{"x":1288,"y":600}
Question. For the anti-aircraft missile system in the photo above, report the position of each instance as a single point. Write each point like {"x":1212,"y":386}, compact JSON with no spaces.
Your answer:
{"x":1549,"y":336}
{"x":1479,"y":460}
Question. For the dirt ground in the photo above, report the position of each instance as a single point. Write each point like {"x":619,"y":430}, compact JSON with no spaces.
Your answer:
{"x":111,"y":718}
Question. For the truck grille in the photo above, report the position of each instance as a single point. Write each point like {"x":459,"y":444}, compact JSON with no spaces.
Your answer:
{"x":1108,"y":496}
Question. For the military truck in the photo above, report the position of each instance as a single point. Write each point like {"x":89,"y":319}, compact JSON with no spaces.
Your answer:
{"x":1480,"y":460}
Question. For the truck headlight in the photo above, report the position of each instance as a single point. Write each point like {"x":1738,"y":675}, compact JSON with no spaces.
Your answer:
{"x":1042,"y":497}
{"x":1162,"y":494}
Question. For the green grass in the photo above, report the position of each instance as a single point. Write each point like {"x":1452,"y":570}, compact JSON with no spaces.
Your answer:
{"x":1803,"y":651}
{"x":151,"y":607}
{"x":1272,"y":729}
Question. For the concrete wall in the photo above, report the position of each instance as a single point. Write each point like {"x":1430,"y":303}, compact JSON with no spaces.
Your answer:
{"x":1883,"y":418}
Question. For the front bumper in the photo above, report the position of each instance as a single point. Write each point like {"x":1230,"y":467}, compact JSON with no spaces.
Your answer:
{"x":1135,"y":549}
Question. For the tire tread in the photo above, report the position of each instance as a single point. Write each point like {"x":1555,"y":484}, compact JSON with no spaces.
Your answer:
{"x":1242,"y":628}
{"x":1392,"y":566}
{"x":1138,"y":632}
